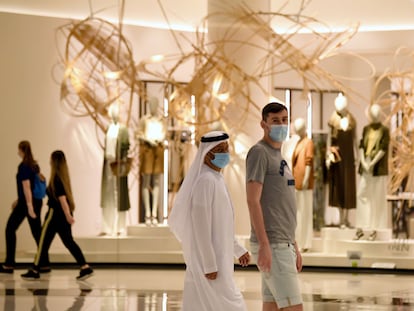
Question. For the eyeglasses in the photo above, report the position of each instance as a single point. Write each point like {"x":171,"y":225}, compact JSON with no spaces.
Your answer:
{"x":283,"y":163}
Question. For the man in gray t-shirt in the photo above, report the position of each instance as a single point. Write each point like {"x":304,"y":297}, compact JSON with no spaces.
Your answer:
{"x":271,"y":200}
{"x":265,"y":165}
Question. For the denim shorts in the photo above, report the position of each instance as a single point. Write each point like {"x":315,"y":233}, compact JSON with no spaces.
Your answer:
{"x":281,"y":284}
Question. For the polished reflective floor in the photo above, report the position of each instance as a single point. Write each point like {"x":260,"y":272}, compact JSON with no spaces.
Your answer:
{"x":160,"y":289}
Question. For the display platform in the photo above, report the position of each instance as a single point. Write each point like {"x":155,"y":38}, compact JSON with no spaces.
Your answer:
{"x":334,"y":247}
{"x":141,"y":244}
{"x":337,"y":248}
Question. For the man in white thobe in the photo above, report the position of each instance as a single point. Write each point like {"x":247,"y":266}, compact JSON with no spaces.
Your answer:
{"x":202,"y":219}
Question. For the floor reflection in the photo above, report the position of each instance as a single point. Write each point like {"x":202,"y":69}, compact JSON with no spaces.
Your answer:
{"x":161,"y":290}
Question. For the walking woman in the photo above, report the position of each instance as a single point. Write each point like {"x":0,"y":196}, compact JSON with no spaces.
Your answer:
{"x":59,"y":218}
{"x":26,"y":205}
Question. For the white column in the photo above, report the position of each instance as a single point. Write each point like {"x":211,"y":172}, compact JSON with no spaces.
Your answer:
{"x":247,"y":58}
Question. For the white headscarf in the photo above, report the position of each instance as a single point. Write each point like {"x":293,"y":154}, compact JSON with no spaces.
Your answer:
{"x":180,"y":214}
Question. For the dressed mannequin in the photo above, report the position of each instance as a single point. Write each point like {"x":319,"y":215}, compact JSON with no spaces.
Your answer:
{"x":302,"y":166}
{"x":372,"y":211}
{"x":340,"y":160}
{"x":114,"y":188}
{"x":152,"y":133}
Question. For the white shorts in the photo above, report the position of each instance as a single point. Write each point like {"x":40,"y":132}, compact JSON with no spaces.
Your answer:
{"x":281,"y":284}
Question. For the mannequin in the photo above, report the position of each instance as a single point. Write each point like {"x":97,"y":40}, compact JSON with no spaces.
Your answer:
{"x":288,"y":147}
{"x":302,"y":165}
{"x":340,"y":159}
{"x":114,"y":188}
{"x":372,"y":212}
{"x":152,"y":133}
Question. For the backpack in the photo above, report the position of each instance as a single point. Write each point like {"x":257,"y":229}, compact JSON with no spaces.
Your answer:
{"x":39,"y":186}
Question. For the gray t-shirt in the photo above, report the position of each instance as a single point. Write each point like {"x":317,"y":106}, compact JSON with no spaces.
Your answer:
{"x":264,"y":164}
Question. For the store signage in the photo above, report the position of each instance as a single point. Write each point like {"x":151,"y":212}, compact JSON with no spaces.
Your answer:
{"x":401,"y":247}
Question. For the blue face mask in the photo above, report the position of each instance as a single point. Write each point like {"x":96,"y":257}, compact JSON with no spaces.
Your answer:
{"x":221,"y":159}
{"x":278,"y":133}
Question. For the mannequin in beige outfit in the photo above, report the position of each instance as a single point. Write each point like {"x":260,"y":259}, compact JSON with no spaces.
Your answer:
{"x":302,"y":167}
{"x":152,"y":132}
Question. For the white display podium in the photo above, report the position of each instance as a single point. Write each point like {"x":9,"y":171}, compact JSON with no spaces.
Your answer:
{"x":337,"y":248}
{"x":142,"y":244}
{"x":334,"y":247}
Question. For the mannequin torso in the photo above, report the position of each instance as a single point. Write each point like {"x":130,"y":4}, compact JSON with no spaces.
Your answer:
{"x":302,"y":159}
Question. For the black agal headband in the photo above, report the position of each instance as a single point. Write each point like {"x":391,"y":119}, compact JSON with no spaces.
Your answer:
{"x":223,"y":136}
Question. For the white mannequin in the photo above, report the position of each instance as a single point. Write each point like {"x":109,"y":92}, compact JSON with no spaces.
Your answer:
{"x":341,"y":108}
{"x":300,"y":129}
{"x":374,"y":114}
{"x":288,"y":147}
{"x":372,"y":211}
{"x":304,"y":193}
{"x":152,"y":132}
{"x":341,"y":104}
{"x":113,"y":219}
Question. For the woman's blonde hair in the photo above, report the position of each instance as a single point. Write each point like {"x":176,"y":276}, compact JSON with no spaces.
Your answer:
{"x":59,"y":168}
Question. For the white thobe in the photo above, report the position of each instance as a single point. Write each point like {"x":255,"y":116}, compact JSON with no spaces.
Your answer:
{"x":210,"y":247}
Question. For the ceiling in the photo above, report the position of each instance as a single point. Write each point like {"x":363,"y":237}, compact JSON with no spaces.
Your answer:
{"x":186,"y":14}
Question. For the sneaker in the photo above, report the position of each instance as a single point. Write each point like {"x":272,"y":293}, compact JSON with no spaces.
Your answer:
{"x":3,"y":269}
{"x":30,"y":275}
{"x":84,"y":274}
